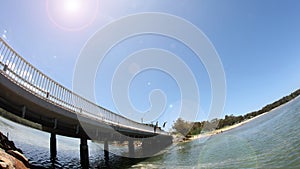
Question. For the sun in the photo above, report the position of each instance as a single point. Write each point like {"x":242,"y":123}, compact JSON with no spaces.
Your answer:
{"x":72,"y":6}
{"x":72,"y":15}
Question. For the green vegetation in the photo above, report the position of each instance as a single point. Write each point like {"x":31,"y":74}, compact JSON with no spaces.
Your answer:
{"x":194,"y":128}
{"x":182,"y":127}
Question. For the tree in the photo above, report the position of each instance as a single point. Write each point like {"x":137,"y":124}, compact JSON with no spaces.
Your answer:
{"x":181,"y":126}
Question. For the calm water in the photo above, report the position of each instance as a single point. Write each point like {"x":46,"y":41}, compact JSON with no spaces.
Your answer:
{"x":271,"y":141}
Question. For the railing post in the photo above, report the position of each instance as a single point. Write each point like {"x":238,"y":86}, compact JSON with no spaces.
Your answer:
{"x":5,"y":67}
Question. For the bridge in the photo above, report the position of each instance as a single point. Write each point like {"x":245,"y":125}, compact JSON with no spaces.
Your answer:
{"x":29,"y":94}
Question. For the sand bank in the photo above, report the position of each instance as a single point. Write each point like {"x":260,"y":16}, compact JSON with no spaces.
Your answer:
{"x":227,"y":128}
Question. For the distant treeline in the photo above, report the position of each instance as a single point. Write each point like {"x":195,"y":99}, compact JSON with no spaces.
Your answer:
{"x":189,"y":128}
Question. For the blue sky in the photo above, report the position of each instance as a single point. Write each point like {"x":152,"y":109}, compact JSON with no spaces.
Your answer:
{"x":257,"y":42}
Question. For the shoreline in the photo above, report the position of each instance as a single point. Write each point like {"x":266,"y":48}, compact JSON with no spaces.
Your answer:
{"x":282,"y":102}
{"x":225,"y":129}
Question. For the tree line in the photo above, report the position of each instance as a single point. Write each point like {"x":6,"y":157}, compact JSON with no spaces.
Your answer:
{"x":187,"y":128}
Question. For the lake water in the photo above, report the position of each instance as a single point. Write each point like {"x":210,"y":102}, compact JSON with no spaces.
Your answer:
{"x":270,"y":141}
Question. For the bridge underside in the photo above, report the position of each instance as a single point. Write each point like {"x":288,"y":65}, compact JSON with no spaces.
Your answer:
{"x":58,"y":121}
{"x":55,"y":119}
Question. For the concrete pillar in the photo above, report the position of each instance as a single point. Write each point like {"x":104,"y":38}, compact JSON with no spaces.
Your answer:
{"x":146,"y":147}
{"x":84,"y":153}
{"x":53,"y":151}
{"x":106,"y":150}
{"x":131,"y":148}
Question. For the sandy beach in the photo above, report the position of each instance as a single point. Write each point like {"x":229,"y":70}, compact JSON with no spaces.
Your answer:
{"x":227,"y":128}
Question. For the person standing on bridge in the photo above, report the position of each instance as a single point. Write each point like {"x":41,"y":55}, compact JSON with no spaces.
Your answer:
{"x":164,"y":125}
{"x":155,"y":127}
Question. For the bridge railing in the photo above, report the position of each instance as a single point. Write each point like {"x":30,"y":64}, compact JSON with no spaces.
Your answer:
{"x":31,"y":79}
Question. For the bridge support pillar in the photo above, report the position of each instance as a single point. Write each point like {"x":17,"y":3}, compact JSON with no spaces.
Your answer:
{"x":106,"y":150}
{"x":131,"y":148}
{"x":147,"y":147}
{"x":53,"y":151}
{"x":84,"y":153}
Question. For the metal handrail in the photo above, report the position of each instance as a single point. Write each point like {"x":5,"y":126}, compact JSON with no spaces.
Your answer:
{"x":33,"y":80}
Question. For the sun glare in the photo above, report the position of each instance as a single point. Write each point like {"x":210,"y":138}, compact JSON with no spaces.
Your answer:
{"x":72,"y":15}
{"x":72,"y":5}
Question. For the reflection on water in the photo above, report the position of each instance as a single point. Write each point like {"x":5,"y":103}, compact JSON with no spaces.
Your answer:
{"x":271,"y":141}
{"x":35,"y":145}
